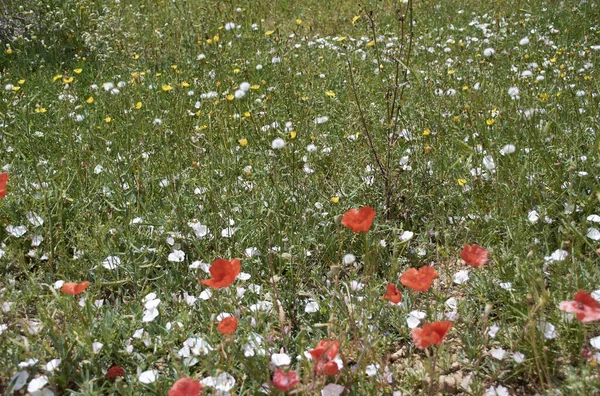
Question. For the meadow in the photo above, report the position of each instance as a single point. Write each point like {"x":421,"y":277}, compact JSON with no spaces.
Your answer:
{"x":299,"y":197}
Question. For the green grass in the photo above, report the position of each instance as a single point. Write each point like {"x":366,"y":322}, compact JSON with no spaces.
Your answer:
{"x":167,"y":157}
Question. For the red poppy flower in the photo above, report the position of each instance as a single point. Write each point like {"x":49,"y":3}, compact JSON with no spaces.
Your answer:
{"x":185,"y":387}
{"x":228,"y":325}
{"x":359,"y":220}
{"x":3,"y":180}
{"x":115,"y":371}
{"x":419,"y":280}
{"x":324,"y":354}
{"x":392,"y":294}
{"x":431,"y":333}
{"x":223,"y":273}
{"x":285,"y":381}
{"x":74,"y":288}
{"x":474,"y":255}
{"x":584,"y":306}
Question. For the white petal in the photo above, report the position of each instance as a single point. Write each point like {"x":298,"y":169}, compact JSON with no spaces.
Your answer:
{"x":461,"y":277}
{"x":332,"y":390}
{"x":593,"y":234}
{"x":148,"y":377}
{"x":53,"y":364}
{"x":19,"y":380}
{"x":595,"y":342}
{"x":37,"y":384}
{"x":281,"y":359}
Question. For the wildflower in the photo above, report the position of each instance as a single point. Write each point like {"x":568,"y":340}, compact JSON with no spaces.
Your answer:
{"x":474,"y":255}
{"x":89,"y":100}
{"x":278,"y":143}
{"x":148,"y":377}
{"x":228,"y":325}
{"x":223,"y":273}
{"x":185,"y":387}
{"x":115,"y":371}
{"x":392,"y":294}
{"x":285,"y":381}
{"x":325,"y":354}
{"x":3,"y":181}
{"x":74,"y":288}
{"x":335,"y":199}
{"x":431,"y":333}
{"x":585,"y":307}
{"x":419,"y":280}
{"x":359,"y":220}
{"x":243,"y":142}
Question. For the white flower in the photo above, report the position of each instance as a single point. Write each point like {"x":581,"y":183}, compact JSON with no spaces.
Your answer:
{"x":311,"y":307}
{"x":148,"y":377}
{"x":506,"y":286}
{"x":514,"y":93}
{"x":224,"y":382}
{"x":251,"y":252}
{"x":321,"y":120}
{"x":28,"y":363}
{"x":98,"y":169}
{"x":497,"y":391}
{"x":414,"y":319}
{"x":406,"y":236}
{"x":111,"y":262}
{"x":557,"y":255}
{"x":372,"y":369}
{"x":451,"y":303}
{"x":488,"y":52}
{"x":17,"y":231}
{"x":205,"y":295}
{"x":97,"y":346}
{"x":34,"y":219}
{"x":593,"y":218}
{"x":488,"y":162}
{"x":524,"y":41}
{"x":493,"y":331}
{"x":229,"y":25}
{"x":593,"y":234}
{"x":349,"y":258}
{"x":37,"y":384}
{"x":278,"y":144}
{"x":498,"y":353}
{"x":177,"y":256}
{"x":533,"y":216}
{"x":595,"y":342}
{"x":518,"y":357}
{"x":548,"y":329}
{"x":508,"y":149}
{"x":461,"y":277}
{"x":356,"y":286}
{"x":200,"y":229}
{"x":280,"y":359}
{"x":332,"y":390}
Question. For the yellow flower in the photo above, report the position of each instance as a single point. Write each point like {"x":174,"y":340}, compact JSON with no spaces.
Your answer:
{"x":16,"y":88}
{"x":490,"y":121}
{"x":174,"y":67}
{"x":166,"y":87}
{"x":9,"y":51}
{"x":68,"y":80}
{"x":57,"y":77}
{"x":185,"y":84}
{"x":77,"y":71}
{"x":107,"y":119}
{"x":236,"y":70}
{"x":255,"y":87}
{"x":371,"y":43}
{"x":21,"y":82}
{"x":304,"y":98}
{"x":247,"y":114}
{"x":426,"y":132}
{"x":455,"y":118}
{"x":427,"y":149}
{"x":230,"y":97}
{"x":335,"y":199}
{"x":298,"y":22}
{"x":341,"y":38}
{"x":465,"y":88}
{"x":90,"y":100}
{"x":451,"y":72}
{"x":269,"y":32}
{"x":138,"y":105}
{"x":331,"y":94}
{"x":356,"y":18}
{"x":243,"y":142}
{"x":544,"y":96}
{"x":216,"y":38}
{"x":461,"y":182}
{"x":293,"y":135}
{"x":136,"y":56}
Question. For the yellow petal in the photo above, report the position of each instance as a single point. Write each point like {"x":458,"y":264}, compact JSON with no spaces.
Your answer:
{"x":77,"y":71}
{"x":90,"y":100}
